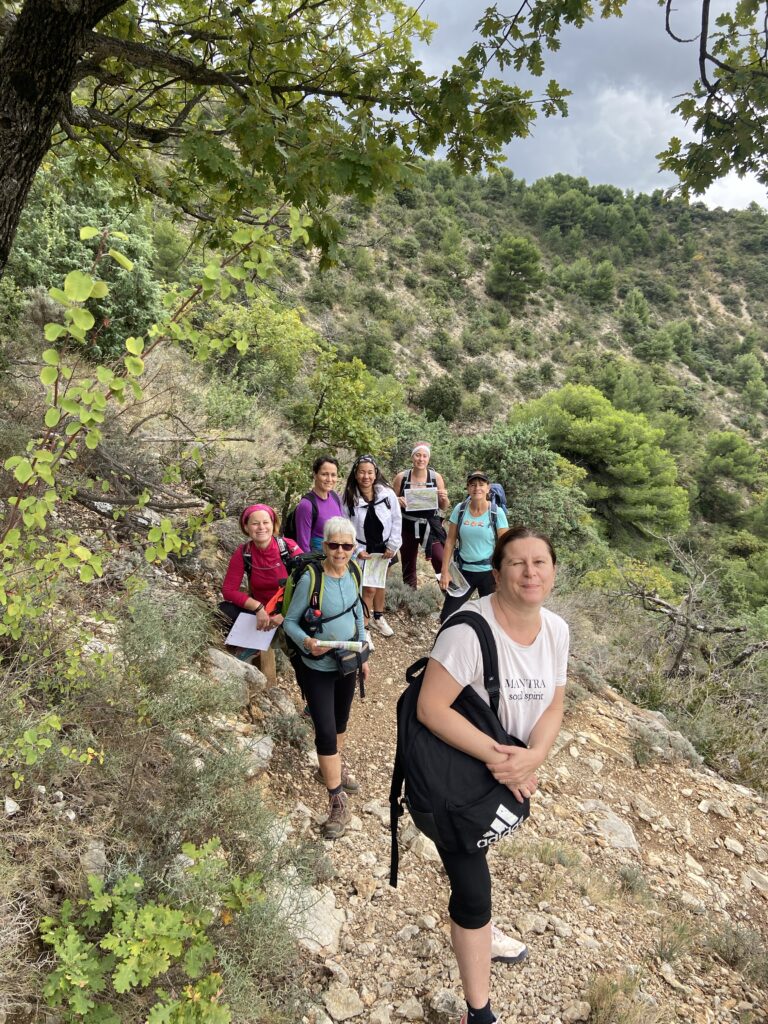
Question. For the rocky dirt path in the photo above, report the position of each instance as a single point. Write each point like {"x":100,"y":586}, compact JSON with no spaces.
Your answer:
{"x":621,"y":877}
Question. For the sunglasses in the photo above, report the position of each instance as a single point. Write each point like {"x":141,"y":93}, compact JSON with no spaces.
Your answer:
{"x":334,"y":545}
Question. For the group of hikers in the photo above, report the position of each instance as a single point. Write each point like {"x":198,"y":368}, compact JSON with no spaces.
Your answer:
{"x":312,"y":581}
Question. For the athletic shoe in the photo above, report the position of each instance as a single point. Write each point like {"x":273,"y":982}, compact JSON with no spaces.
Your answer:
{"x":464,"y":1020}
{"x":369,"y":641}
{"x":348,"y":780}
{"x":335,"y":825}
{"x":382,"y":626}
{"x":505,"y":950}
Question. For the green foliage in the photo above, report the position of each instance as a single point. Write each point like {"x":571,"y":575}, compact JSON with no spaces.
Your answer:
{"x":158,"y":638}
{"x":515,"y":272}
{"x":741,"y":949}
{"x":341,"y":406}
{"x":48,"y":245}
{"x":631,"y":480}
{"x":729,"y":472}
{"x":543,"y":490}
{"x":427,"y":600}
{"x":278,"y":136}
{"x":441,"y":399}
{"x":726,"y":108}
{"x":110,"y":944}
{"x":261,"y":347}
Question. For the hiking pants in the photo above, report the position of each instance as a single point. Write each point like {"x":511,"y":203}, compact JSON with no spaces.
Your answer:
{"x":329,"y":699}
{"x":482,"y":582}
{"x":409,"y":553}
{"x":470,"y":902}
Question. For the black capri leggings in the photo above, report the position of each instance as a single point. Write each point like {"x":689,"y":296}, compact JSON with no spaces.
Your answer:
{"x":482,"y":582}
{"x":329,"y":699}
{"x":470,"y":902}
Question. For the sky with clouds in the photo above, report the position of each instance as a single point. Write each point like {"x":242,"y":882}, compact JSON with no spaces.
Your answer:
{"x":625,"y":75}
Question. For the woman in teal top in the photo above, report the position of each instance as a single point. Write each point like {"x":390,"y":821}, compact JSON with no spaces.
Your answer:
{"x":473,"y":527}
{"x":329,"y":693}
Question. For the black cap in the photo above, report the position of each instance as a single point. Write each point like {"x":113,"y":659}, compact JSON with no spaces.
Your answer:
{"x":477,"y":475}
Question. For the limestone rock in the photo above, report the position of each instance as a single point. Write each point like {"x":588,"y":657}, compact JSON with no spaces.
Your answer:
{"x":758,"y":879}
{"x":418,"y":843}
{"x":93,"y":859}
{"x":447,"y":1003}
{"x":761,"y":853}
{"x":578,"y":1011}
{"x":11,"y":807}
{"x":380,"y":1014}
{"x":319,"y":920}
{"x":716,"y":807}
{"x":224,"y":667}
{"x":411,"y":1009}
{"x":734,"y":846}
{"x":644,"y":808}
{"x":614,"y":829}
{"x":536,"y":923}
{"x":341,"y":1002}
{"x":378,"y":810}
{"x":259,"y":750}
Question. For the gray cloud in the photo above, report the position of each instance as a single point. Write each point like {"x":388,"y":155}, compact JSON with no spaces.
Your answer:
{"x":625,"y":74}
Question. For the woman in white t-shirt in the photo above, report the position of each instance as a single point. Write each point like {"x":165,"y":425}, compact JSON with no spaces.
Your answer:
{"x":532,"y":645}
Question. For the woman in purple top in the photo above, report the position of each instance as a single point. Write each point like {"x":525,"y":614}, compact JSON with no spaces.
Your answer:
{"x":318,"y":505}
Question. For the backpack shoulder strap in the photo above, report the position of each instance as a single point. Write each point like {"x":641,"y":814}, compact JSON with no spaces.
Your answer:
{"x":431,"y":477}
{"x":406,"y":481}
{"x":285,"y":552}
{"x":247,"y":563}
{"x":488,"y":650}
{"x":493,"y":515}
{"x":312,"y":499}
{"x":316,"y":576}
{"x":357,"y":574}
{"x":462,"y":510}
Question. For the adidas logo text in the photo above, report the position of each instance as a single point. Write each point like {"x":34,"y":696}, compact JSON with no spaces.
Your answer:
{"x":502,"y":825}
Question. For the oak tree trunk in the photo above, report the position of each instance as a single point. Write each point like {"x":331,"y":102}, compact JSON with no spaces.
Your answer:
{"x":38,"y":58}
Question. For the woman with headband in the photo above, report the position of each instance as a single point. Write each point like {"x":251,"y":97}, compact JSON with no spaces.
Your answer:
{"x":266,"y":555}
{"x":421,"y":527}
{"x":372,"y":506}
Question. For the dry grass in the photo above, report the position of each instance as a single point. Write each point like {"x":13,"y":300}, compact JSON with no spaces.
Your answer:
{"x":614,"y":999}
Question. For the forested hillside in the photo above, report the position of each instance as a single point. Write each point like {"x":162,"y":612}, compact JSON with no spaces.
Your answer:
{"x":602,"y":355}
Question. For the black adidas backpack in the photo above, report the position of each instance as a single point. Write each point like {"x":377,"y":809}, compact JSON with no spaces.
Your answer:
{"x":451,"y":796}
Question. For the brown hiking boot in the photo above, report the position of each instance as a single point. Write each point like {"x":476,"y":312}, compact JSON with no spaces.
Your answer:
{"x":348,"y":780}
{"x":335,"y":825}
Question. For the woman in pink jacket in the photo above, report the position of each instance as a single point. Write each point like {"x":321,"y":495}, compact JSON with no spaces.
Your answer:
{"x":266,"y":553}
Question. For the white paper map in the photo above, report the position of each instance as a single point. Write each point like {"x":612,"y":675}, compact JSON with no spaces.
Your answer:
{"x":375,"y":571}
{"x":245,"y":634}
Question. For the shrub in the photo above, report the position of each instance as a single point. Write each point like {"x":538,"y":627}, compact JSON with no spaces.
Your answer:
{"x":674,"y":938}
{"x":742,"y":949}
{"x":632,"y":880}
{"x":427,"y":600}
{"x":613,"y":998}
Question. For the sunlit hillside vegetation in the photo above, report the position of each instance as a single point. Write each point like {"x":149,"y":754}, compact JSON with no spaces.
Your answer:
{"x":602,"y":355}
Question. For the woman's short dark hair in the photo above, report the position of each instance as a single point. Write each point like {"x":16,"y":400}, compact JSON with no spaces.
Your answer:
{"x":321,"y":460}
{"x":519,"y":533}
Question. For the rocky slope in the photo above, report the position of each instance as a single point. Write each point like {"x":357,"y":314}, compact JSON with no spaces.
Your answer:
{"x":632,"y":886}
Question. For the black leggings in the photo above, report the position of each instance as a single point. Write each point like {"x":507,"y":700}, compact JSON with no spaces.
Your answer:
{"x":329,"y":699}
{"x":470,"y":902}
{"x":482,"y":582}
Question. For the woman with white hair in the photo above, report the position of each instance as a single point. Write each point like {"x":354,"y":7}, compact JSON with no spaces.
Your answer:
{"x":337,"y":615}
{"x":421,"y":527}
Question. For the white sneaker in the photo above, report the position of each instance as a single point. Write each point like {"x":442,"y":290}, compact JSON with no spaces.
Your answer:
{"x":369,"y":641}
{"x":506,"y":950}
{"x":382,"y":626}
